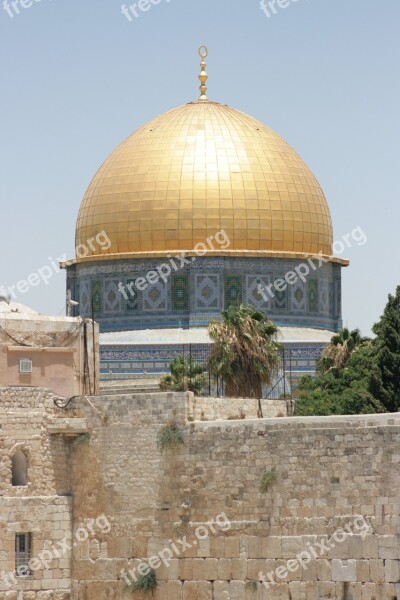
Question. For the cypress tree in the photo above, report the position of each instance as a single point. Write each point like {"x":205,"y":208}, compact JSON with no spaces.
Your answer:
{"x":385,"y":379}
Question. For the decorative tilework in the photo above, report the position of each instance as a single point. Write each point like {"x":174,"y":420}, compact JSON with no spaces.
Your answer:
{"x":180,"y":292}
{"x":313,"y":295}
{"x":233,"y":290}
{"x":112,"y":296}
{"x":207,"y":292}
{"x":155,"y":296}
{"x":84,"y":299}
{"x":132,"y":302}
{"x":281,"y":298}
{"x":298,"y":290}
{"x":324,"y":296}
{"x":97,"y":297}
{"x":209,"y":278}
{"x":262,"y":301}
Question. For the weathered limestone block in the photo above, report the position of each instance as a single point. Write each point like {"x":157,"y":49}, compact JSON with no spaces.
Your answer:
{"x":186,"y":568}
{"x":225,"y":569}
{"x":237,"y":590}
{"x":370,"y":547}
{"x":204,"y":590}
{"x":293,"y":545}
{"x":362,"y":570}
{"x":343,"y":570}
{"x":174,"y":590}
{"x":204,"y":548}
{"x":324,"y":570}
{"x":271,"y":547}
{"x":389,"y":546}
{"x":280,"y":591}
{"x":239,"y":568}
{"x":105,"y":569}
{"x":232,"y":547}
{"x":376,"y":571}
{"x":392,"y":571}
{"x":189,"y":590}
{"x":352,"y":590}
{"x":198,"y":569}
{"x":221,"y":590}
{"x":44,"y":595}
{"x":254,"y":567}
{"x":211,"y":569}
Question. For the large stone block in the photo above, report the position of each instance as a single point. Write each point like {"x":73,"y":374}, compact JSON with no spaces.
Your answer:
{"x":343,"y":570}
{"x":392,"y":571}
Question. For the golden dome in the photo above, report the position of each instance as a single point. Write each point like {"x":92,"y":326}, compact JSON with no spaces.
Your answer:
{"x":198,"y":169}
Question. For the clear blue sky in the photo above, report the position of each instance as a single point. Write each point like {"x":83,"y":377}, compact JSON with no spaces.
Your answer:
{"x":78,"y":77}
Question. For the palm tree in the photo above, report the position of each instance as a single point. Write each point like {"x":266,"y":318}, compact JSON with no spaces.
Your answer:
{"x":338,"y":352}
{"x":244,"y":353}
{"x":186,"y":375}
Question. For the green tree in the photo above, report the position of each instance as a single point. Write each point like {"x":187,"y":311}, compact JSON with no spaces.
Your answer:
{"x":186,"y":375}
{"x":244,"y":354}
{"x":385,"y":380}
{"x":338,"y":352}
{"x":342,"y":392}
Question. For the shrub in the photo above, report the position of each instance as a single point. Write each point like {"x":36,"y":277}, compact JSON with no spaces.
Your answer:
{"x":146,"y":583}
{"x":268,"y":478}
{"x":169,"y":436}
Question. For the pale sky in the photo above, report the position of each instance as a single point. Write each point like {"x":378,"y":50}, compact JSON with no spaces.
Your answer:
{"x":79,"y":77}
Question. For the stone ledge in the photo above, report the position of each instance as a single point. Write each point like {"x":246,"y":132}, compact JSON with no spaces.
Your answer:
{"x":67,"y":426}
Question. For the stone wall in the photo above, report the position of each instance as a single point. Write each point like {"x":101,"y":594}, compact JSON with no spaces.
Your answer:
{"x":214,"y":409}
{"x":326,"y":525}
{"x":323,"y":472}
{"x":43,"y":507}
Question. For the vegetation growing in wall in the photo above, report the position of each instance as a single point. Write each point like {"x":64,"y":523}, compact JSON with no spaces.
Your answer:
{"x":250,"y":586}
{"x":84,"y":438}
{"x":244,"y":354}
{"x":145,"y":583}
{"x":170,"y":436}
{"x":186,"y":376}
{"x":267,"y":480}
{"x":357,"y":376}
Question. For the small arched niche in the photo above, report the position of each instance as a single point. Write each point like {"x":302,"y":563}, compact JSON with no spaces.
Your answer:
{"x":19,"y":469}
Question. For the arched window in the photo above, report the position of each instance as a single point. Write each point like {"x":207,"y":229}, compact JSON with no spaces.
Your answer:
{"x":19,"y":468}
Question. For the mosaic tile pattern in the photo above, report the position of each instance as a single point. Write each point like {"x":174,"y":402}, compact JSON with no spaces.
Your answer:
{"x":312,"y":286}
{"x":132,"y":301}
{"x":112,"y":296}
{"x":155,"y":297}
{"x":97,"y":297}
{"x":324,"y":306}
{"x":281,"y":297}
{"x":180,"y":292}
{"x":84,"y":298}
{"x":233,"y":290}
{"x":207,"y":292}
{"x":257,"y":292}
{"x":194,"y":295}
{"x":298,"y":290}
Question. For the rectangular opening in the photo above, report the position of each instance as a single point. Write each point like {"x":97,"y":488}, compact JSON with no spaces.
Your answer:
{"x":23,"y":549}
{"x":25,"y":365}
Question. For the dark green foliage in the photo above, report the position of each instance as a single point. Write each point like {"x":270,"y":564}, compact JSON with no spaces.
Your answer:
{"x":385,"y":380}
{"x":169,"y":436}
{"x":268,"y":478}
{"x":338,"y":352}
{"x":244,"y":353}
{"x":342,"y":392}
{"x":186,"y":375}
{"x":145,"y":583}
